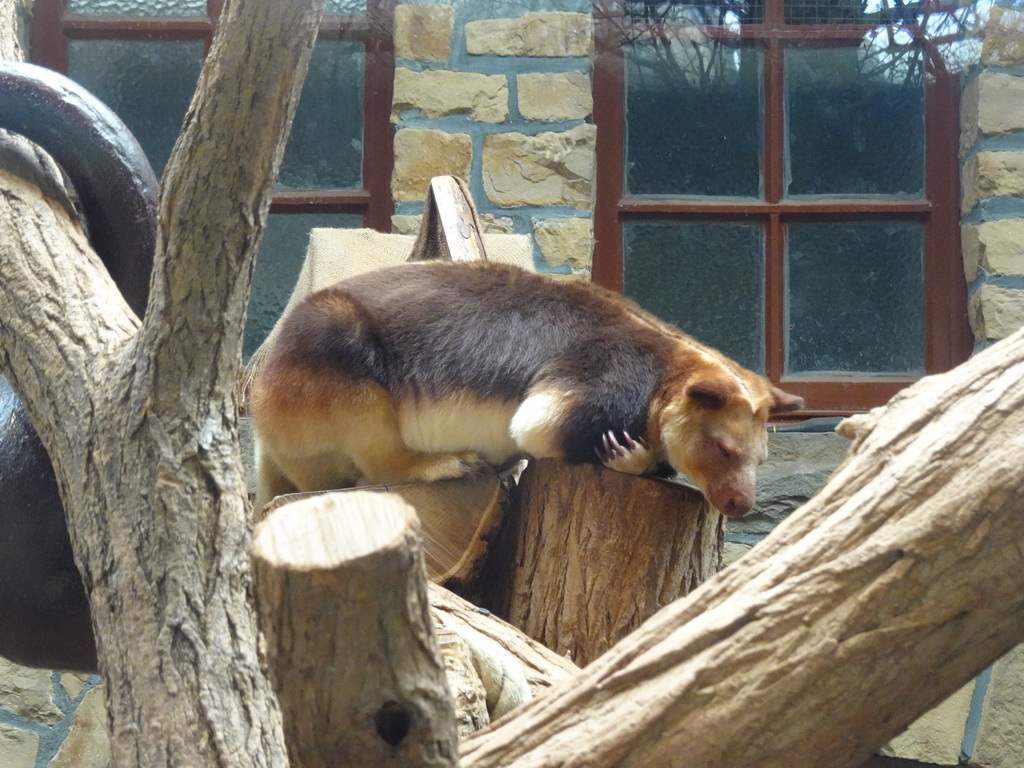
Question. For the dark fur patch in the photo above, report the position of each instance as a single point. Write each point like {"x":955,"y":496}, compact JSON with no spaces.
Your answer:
{"x":334,"y":331}
{"x":428,"y":330}
{"x":491,"y":329}
{"x":617,"y":382}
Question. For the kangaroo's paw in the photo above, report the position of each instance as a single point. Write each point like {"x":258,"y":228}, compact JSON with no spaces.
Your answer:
{"x":444,"y":466}
{"x":634,"y":457}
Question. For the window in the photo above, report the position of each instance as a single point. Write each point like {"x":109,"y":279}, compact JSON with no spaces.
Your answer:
{"x":780,"y":179}
{"x":143,"y":57}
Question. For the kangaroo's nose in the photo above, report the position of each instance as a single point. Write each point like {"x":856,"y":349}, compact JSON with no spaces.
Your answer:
{"x":736,"y":507}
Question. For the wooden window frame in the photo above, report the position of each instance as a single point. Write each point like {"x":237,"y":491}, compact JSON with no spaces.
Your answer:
{"x":948,"y":338}
{"x":53,"y":27}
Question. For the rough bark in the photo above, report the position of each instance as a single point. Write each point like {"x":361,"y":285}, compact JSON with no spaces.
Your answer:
{"x":140,"y":421}
{"x":882,"y":595}
{"x":450,"y":229}
{"x":591,"y":554}
{"x":341,"y":593}
{"x":542,"y":666}
{"x":13,"y":16}
{"x":456,"y":516}
{"x":468,"y":694}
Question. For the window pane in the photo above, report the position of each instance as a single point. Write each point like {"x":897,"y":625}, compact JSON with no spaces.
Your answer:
{"x":705,"y":277}
{"x":346,"y":7}
{"x":693,"y":119}
{"x":474,"y":10}
{"x":325,"y":150}
{"x":139,"y":7}
{"x":855,"y":121}
{"x":851,"y":11}
{"x":855,"y":297}
{"x":277,"y":268}
{"x":148,"y":84}
{"x":643,"y":13}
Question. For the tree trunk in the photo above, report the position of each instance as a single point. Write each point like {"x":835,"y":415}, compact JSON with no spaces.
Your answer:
{"x":141,"y":421}
{"x":878,"y":598}
{"x":590,"y":554}
{"x":342,"y":598}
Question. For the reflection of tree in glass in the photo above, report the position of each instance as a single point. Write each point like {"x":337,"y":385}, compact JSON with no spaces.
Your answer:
{"x":950,"y":27}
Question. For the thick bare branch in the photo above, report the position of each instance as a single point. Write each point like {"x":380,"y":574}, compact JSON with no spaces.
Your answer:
{"x":210,"y":223}
{"x":13,"y":17}
{"x":142,"y":427}
{"x":881,"y":596}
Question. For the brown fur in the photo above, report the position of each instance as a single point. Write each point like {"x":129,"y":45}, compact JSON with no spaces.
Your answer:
{"x":418,"y":372}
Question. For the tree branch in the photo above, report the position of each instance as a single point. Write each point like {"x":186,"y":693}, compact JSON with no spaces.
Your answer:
{"x":192,"y":336}
{"x":141,"y":426}
{"x":868,"y":606}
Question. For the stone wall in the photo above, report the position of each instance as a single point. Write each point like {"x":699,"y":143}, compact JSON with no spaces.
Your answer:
{"x":499,"y":94}
{"x":51,"y":719}
{"x":992,"y":154}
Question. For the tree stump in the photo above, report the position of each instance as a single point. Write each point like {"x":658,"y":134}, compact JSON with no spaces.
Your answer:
{"x":588,"y":554}
{"x":456,"y":518}
{"x":342,"y":599}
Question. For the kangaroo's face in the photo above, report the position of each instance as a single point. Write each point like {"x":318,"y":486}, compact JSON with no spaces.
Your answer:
{"x":714,"y":431}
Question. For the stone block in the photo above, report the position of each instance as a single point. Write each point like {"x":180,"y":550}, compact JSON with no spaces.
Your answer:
{"x":424,"y":32}
{"x":420,"y":155}
{"x":969,"y":115}
{"x":1000,"y":743}
{"x":408,"y":224}
{"x":969,"y":185}
{"x":994,"y":246}
{"x":554,"y":95}
{"x":565,"y":242}
{"x":992,"y":174}
{"x":546,"y":169}
{"x":87,"y":744}
{"x":405,"y":223}
{"x":996,"y":312}
{"x":18,"y":748}
{"x":498,"y":225}
{"x":73,"y":683}
{"x":970,"y":247}
{"x":1000,"y":100}
{"x":535,"y":34}
{"x":1004,"y":44}
{"x":797,"y":467}
{"x":571,"y":277}
{"x":28,"y":693}
{"x":441,"y":93}
{"x":732,"y":551}
{"x":937,"y":736}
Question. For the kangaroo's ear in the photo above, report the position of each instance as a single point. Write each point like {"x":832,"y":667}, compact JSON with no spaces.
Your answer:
{"x":708,"y":393}
{"x":783,"y":402}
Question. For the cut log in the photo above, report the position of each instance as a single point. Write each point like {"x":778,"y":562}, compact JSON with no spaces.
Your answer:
{"x":450,"y":229}
{"x":589,"y":554}
{"x":877,"y":599}
{"x":342,"y":600}
{"x":456,"y":517}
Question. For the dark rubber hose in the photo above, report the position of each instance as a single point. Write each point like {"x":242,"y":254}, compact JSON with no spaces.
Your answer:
{"x":44,"y":612}
{"x":114,"y":181}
